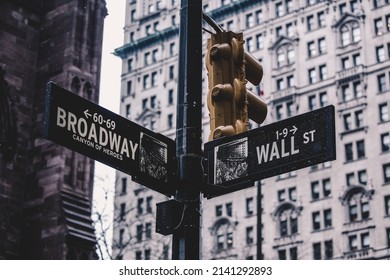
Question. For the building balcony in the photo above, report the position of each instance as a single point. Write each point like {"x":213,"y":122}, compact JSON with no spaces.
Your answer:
{"x":362,"y":254}
{"x":352,"y":103}
{"x":284,"y":94}
{"x":349,"y":74}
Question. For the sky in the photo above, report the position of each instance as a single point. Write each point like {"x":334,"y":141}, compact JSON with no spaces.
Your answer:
{"x":110,"y":81}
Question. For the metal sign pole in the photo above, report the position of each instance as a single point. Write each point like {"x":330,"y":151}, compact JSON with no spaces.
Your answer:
{"x":186,"y":235}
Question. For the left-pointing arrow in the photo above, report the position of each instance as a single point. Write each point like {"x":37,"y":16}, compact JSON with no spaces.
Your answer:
{"x":86,"y":114}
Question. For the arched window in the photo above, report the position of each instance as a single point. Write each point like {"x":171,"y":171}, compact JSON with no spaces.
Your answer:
{"x":350,"y":33}
{"x":87,"y":90}
{"x":223,"y":234}
{"x":285,"y":55}
{"x":356,"y":199}
{"x":75,"y":85}
{"x":286,"y":216}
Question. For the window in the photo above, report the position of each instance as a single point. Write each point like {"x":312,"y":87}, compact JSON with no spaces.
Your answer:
{"x":345,"y":63}
{"x":381,"y":83}
{"x":321,"y":45}
{"x":250,"y":206}
{"x":147,"y":254}
{"x":122,"y":212}
{"x":290,"y":30}
{"x":378,"y":24}
{"x":348,"y":152}
{"x":343,"y":8}
{"x":386,"y":173}
{"x":170,"y":120}
{"x":356,"y":33}
{"x":365,"y":239}
{"x":148,"y":230}
{"x":280,"y":84}
{"x":259,"y":16}
{"x":316,"y":220}
{"x":146,"y":82}
{"x":124,"y":185}
{"x":154,"y":79}
{"x":289,"y":6}
{"x":388,"y":236}
{"x":387,"y":205}
{"x":353,"y":214}
{"x":172,"y":48}
{"x":293,"y":253}
{"x":249,"y":44}
{"x":229,"y":209}
{"x":170,"y":97}
{"x":328,"y":249}
{"x":360,"y":149}
{"x":345,"y":36}
{"x":140,"y":229}
{"x":127,"y":111}
{"x":153,"y":102}
{"x":292,"y":193}
{"x":138,"y":255}
{"x":346,"y":93}
{"x":317,"y":251}
{"x":140,"y":207}
{"x":282,"y":255}
{"x":323,"y":72}
{"x":383,"y":112}
{"x":315,"y":190}
{"x":218,"y":210}
{"x":249,"y":21}
{"x":259,"y":41}
{"x":312,"y":102}
{"x":353,"y":243}
{"x":356,"y":59}
{"x":385,"y":142}
{"x":321,"y":19}
{"x":311,"y":49}
{"x":149,"y":206}
{"x":279,"y":9}
{"x":362,"y":176}
{"x":281,"y":195}
{"x":147,"y":58}
{"x":310,"y":23}
{"x":365,"y":210}
{"x":290,"y":81}
{"x":130,"y":65}
{"x":224,"y":236}
{"x":380,"y":53}
{"x":359,"y":119}
{"x":312,"y":76}
{"x":328,"y":218}
{"x":171,"y":72}
{"x":121,"y":236}
{"x":249,"y":235}
{"x":347,"y":122}
{"x":129,"y":87}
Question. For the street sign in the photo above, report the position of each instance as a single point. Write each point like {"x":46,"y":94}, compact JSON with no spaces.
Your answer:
{"x":236,"y":162}
{"x":102,"y":135}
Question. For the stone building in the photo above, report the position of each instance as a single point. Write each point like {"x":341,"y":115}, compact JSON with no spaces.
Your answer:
{"x":314,"y":53}
{"x":45,"y":189}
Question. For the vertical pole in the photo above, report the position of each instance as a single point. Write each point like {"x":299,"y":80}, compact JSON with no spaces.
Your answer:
{"x":186,"y":236}
{"x":259,"y":223}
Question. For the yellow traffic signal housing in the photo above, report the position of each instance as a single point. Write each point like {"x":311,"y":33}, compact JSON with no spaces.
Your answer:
{"x":229,"y":102}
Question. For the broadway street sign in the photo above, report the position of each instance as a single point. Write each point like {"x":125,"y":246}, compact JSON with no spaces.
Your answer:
{"x":236,"y":162}
{"x":100,"y":134}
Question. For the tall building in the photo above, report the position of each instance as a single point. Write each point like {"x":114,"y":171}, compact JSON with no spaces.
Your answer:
{"x":314,"y":53}
{"x":45,"y":189}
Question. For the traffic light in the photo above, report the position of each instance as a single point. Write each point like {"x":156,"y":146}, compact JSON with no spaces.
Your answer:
{"x":229,"y":102}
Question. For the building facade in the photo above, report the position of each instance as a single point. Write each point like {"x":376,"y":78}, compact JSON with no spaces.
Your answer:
{"x":314,"y":53}
{"x":45,"y":189}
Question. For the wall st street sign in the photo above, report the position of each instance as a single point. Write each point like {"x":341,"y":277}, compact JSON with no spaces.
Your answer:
{"x":102,"y":135}
{"x":236,"y":162}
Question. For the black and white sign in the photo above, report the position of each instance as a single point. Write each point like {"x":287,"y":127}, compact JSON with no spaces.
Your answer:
{"x":100,"y":134}
{"x":236,"y":162}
